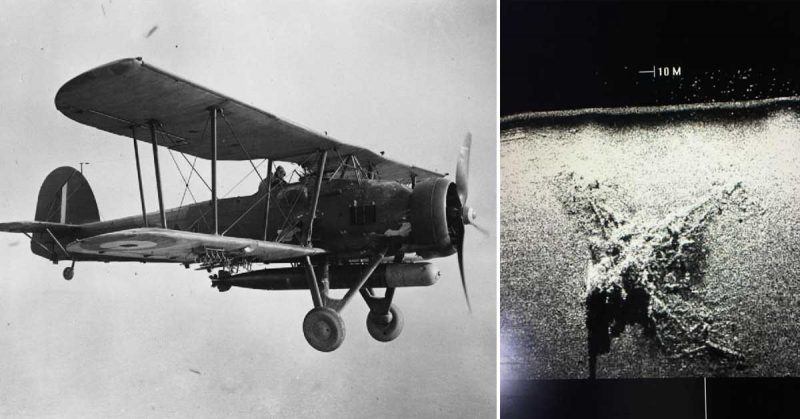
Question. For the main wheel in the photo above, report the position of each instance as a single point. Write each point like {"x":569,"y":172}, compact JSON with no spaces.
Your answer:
{"x":323,"y":328}
{"x":68,"y":273}
{"x":385,"y":327}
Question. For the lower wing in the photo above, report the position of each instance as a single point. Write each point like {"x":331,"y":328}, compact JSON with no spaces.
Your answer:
{"x":38,"y":227}
{"x":162,"y":245}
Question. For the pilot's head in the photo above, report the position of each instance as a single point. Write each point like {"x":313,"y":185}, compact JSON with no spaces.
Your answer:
{"x":280,"y":173}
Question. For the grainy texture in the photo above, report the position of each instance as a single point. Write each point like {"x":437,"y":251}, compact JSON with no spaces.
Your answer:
{"x":747,"y":289}
{"x":120,"y":339}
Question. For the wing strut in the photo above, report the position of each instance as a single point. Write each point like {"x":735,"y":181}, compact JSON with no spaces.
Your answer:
{"x":320,"y":174}
{"x":214,"y":207}
{"x":269,"y":194}
{"x":158,"y":173}
{"x":139,"y":173}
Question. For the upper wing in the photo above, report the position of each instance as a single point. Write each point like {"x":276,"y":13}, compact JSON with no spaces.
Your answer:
{"x":160,"y":245}
{"x":129,"y":93}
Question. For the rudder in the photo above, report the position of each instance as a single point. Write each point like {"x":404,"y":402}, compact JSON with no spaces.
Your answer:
{"x":64,"y":197}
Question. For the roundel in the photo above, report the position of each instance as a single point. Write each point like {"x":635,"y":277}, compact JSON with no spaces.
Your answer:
{"x":127,"y":242}
{"x":128,"y":245}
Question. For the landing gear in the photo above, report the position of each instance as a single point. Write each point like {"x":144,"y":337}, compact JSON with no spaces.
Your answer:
{"x":323,"y":328}
{"x":69,"y":271}
{"x":385,"y":320}
{"x":385,"y":327}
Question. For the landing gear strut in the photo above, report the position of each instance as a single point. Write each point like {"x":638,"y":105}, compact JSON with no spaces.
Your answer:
{"x":323,"y":327}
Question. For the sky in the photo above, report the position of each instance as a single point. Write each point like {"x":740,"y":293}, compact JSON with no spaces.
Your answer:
{"x":133,"y":340}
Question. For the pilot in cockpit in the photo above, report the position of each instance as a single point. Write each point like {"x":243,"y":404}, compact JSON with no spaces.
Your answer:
{"x":278,"y":178}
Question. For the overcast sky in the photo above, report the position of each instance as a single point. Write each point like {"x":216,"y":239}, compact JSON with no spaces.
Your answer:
{"x":407,"y":78}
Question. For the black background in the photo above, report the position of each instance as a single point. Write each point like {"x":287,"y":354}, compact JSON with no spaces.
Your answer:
{"x":686,"y":398}
{"x":569,"y":55}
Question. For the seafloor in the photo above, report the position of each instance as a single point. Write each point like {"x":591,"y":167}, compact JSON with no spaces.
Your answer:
{"x":659,"y":163}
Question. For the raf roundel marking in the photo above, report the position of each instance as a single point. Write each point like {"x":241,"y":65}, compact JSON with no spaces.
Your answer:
{"x":128,"y":245}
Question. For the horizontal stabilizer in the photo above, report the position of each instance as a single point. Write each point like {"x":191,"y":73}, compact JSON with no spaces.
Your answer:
{"x":164,"y":245}
{"x":39,"y":227}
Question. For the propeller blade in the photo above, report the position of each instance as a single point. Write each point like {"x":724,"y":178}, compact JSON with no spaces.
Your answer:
{"x":462,"y":169}
{"x":480,"y":229}
{"x":460,"y":253}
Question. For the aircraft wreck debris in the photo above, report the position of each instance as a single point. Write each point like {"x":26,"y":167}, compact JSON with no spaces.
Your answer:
{"x":645,"y":272}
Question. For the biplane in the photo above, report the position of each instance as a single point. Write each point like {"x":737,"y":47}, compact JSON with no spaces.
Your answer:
{"x":347,"y":218}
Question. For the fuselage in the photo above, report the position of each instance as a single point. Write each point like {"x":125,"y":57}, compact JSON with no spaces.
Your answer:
{"x":354,"y":218}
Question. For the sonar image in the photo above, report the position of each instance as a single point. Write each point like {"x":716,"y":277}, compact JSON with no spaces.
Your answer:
{"x":655,"y":241}
{"x":649,"y":208}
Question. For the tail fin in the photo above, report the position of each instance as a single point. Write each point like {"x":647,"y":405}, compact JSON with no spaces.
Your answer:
{"x":66,"y":198}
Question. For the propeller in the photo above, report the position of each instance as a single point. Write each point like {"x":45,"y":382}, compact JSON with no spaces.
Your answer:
{"x":482,"y":230}
{"x":462,"y":169}
{"x":467,"y":215}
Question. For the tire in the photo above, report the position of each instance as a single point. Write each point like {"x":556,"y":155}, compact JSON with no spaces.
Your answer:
{"x":323,"y":328}
{"x":383,"y":329}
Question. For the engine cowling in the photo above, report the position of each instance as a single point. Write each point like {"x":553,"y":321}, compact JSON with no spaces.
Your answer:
{"x":433,"y":205}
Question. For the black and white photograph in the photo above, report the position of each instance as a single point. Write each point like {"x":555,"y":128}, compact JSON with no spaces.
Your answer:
{"x":249,"y":209}
{"x":411,"y":209}
{"x":650,"y":157}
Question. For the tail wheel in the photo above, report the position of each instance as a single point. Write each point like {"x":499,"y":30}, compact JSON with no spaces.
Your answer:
{"x":385,"y":327}
{"x":68,"y":273}
{"x":323,"y":328}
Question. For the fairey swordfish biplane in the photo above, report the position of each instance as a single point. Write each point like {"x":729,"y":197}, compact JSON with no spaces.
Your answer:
{"x":351,"y":219}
